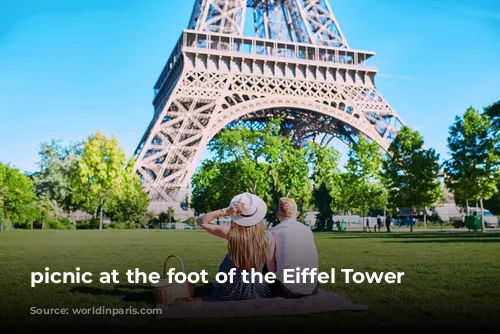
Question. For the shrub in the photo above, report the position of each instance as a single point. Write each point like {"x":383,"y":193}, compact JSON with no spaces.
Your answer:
{"x":17,"y":225}
{"x":87,"y":225}
{"x":124,"y":225}
{"x":53,"y":223}
{"x":191,"y":221}
{"x":116,"y":226}
{"x":65,"y":221}
{"x":36,"y":225}
{"x":82,"y":225}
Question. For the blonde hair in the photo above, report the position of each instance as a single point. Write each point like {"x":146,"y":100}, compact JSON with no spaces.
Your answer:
{"x":248,"y":246}
{"x":287,"y":207}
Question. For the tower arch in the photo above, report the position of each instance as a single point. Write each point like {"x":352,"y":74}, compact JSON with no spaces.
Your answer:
{"x":216,"y":77}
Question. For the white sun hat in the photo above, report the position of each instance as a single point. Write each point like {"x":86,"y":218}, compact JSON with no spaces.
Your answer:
{"x":254,"y":211}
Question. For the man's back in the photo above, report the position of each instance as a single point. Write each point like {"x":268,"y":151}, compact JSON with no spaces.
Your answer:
{"x":295,"y":248}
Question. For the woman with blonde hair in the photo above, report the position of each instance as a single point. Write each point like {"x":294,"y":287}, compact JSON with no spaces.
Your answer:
{"x":250,"y":246}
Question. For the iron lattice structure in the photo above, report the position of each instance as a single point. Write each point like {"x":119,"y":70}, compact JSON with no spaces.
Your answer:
{"x":299,"y":67}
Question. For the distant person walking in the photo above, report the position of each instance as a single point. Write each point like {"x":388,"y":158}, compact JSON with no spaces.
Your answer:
{"x":379,"y":223}
{"x":388,"y":221}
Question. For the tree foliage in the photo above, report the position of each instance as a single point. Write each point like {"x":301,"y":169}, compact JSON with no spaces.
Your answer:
{"x":103,"y":180}
{"x":129,"y":203}
{"x":325,"y":178}
{"x":258,"y":161}
{"x":493,"y":112}
{"x":18,"y":201}
{"x":412,"y":173}
{"x":52,"y":181}
{"x":493,"y":204}
{"x":362,"y":183}
{"x":167,"y":217}
{"x":472,"y":171}
{"x":211,"y":187}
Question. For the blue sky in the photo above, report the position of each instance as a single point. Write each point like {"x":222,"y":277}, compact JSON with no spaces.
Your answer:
{"x":69,"y":68}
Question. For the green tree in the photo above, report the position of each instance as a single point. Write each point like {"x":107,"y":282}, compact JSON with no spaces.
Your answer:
{"x":472,"y":171}
{"x":493,"y":204}
{"x":171,"y":214}
{"x":325,"y":176}
{"x":493,"y":112}
{"x":288,"y":171}
{"x":215,"y":183}
{"x":191,"y":221}
{"x":99,"y":174}
{"x":258,"y":161}
{"x":412,"y":173}
{"x":52,"y":180}
{"x":362,"y":183}
{"x":130,"y":203}
{"x":19,"y":203}
{"x":167,"y":217}
{"x":49,"y":210}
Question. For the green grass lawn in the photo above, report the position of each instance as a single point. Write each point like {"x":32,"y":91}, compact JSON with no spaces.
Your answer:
{"x":451,"y":279}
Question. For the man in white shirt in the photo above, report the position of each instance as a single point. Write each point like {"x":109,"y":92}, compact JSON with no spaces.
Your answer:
{"x":295,"y":248}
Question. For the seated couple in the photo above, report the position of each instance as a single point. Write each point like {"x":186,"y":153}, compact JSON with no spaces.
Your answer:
{"x":288,"y":245}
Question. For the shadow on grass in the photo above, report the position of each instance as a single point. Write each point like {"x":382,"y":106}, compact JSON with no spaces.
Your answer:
{"x":134,"y":293}
{"x":131,"y":287}
{"x":141,"y":293}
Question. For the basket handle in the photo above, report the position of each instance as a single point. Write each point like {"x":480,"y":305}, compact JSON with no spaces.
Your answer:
{"x":165,"y":264}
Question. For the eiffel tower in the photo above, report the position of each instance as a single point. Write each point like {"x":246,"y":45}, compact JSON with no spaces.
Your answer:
{"x":298,"y":67}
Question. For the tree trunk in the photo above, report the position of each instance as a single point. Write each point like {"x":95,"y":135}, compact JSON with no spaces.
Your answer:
{"x":466,"y":207}
{"x":411,"y":220}
{"x":425,"y":218}
{"x":100,"y":216}
{"x":363,"y":216}
{"x":483,"y":227}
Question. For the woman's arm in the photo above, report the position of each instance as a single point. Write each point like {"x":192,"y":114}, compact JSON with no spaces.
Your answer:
{"x":220,"y":231}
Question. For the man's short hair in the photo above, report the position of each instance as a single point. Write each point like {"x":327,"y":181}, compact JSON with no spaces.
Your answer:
{"x":287,"y":207}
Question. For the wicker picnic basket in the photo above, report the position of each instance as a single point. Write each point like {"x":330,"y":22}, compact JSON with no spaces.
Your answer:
{"x":166,"y":292}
